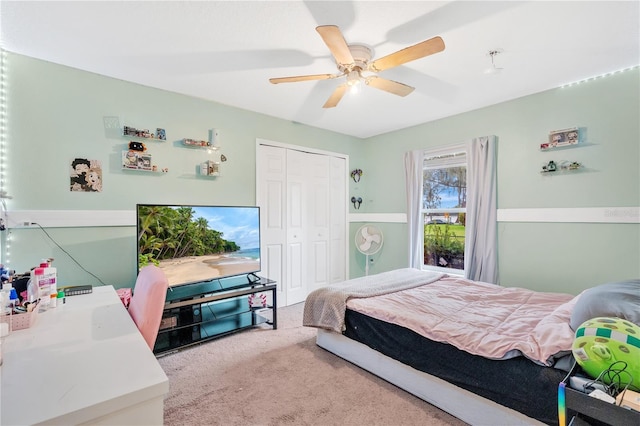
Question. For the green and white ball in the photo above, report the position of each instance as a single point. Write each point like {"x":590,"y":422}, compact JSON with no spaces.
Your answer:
{"x":600,"y":342}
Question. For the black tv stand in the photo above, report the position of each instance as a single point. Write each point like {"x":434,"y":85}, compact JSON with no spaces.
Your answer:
{"x":206,"y":310}
{"x":253,"y":278}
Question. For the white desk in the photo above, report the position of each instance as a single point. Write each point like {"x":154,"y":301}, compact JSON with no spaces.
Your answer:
{"x":81,"y":362}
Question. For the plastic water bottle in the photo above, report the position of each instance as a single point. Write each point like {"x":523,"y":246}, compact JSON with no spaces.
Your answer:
{"x":5,"y":297}
{"x":13,"y":298}
{"x":33,"y":293}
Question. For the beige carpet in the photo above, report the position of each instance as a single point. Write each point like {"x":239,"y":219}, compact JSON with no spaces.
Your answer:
{"x":280,"y":377}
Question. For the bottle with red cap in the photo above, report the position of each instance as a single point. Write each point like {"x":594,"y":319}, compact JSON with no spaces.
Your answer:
{"x":45,"y":277}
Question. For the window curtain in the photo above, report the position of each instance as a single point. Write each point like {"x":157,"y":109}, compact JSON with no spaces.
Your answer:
{"x":413,"y":174}
{"x":481,"y":251}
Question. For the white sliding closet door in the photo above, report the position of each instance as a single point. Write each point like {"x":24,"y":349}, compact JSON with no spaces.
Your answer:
{"x":338,"y":209}
{"x":303,"y":205}
{"x":298,"y":198}
{"x":319,"y":214}
{"x":272,"y":200}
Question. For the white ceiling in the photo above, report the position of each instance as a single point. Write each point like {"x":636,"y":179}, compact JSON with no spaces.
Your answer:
{"x":226,"y":51}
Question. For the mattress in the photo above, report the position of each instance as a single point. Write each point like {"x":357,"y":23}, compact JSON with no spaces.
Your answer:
{"x":516,"y":383}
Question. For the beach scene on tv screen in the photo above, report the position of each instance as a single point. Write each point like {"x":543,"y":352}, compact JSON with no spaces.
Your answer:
{"x":199,"y":243}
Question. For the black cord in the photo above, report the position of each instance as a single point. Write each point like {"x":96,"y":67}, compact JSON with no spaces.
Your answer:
{"x":67,"y":253}
{"x":613,"y":383}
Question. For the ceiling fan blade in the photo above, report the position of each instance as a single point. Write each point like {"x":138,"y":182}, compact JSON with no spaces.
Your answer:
{"x":301,"y":78}
{"x":336,"y":43}
{"x":408,"y":54}
{"x":389,"y":85}
{"x":335,"y":97}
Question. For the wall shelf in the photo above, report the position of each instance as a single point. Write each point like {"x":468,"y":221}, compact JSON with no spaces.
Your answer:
{"x":142,"y":138}
{"x":209,"y":168}
{"x":145,"y":134}
{"x":580,"y":169}
{"x":154,"y":172}
{"x":549,"y":147}
{"x":199,"y":144}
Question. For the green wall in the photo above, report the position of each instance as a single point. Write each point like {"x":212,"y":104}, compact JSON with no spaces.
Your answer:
{"x":55,"y":113}
{"x":546,"y":256}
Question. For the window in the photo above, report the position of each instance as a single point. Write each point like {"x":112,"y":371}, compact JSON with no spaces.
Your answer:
{"x":444,"y":206}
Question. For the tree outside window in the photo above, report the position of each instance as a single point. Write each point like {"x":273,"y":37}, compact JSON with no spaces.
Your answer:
{"x":444,"y":201}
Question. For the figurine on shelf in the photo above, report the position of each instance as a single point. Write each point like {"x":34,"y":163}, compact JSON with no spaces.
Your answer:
{"x":550,"y":167}
{"x":137,"y":146}
{"x":194,"y":142}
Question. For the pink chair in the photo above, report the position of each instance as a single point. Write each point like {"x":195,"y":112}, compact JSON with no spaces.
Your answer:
{"x":147,"y":302}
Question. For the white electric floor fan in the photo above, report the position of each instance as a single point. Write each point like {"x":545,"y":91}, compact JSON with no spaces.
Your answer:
{"x":369,"y":241}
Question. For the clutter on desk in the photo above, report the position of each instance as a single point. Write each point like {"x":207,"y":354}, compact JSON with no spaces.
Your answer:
{"x":23,"y":296}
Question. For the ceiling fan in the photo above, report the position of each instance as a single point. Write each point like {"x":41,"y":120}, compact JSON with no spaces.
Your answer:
{"x":354,"y":59}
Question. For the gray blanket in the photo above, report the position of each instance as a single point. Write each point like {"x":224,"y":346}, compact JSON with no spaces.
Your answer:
{"x":325,"y":307}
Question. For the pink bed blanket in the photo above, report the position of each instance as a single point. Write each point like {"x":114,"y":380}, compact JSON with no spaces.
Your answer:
{"x":482,"y":319}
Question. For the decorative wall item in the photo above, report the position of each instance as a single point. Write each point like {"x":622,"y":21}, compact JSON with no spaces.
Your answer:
{"x":196,"y":143}
{"x":137,"y":146}
{"x":136,"y":160}
{"x":356,"y":202}
{"x":562,"y":166}
{"x":85,"y":175}
{"x":144,"y":133}
{"x":210,"y":168}
{"x":560,"y":138}
{"x":214,"y":137}
{"x":356,"y":174}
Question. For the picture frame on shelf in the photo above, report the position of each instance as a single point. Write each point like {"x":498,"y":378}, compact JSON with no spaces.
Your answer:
{"x":564,"y":137}
{"x":136,"y":160}
{"x":210,"y":168}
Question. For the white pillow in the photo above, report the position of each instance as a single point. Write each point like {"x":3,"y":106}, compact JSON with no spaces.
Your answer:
{"x":617,"y":299}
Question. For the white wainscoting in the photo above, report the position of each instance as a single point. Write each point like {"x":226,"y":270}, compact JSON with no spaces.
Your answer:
{"x":572,"y":215}
{"x":91,"y":218}
{"x":378,"y":217}
{"x":568,"y":215}
{"x":70,"y":218}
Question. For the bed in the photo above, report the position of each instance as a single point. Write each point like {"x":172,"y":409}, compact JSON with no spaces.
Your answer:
{"x":484,"y":353}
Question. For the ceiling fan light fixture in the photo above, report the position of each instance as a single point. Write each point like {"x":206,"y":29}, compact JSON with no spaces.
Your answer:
{"x":352,"y":59}
{"x":353,"y":78}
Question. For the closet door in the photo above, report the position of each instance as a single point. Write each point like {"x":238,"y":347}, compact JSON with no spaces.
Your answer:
{"x":272,"y":172}
{"x":303,"y":206}
{"x":338,"y":209}
{"x":297,"y":223}
{"x":319,"y":225}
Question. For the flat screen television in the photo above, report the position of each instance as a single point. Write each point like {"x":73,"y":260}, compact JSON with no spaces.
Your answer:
{"x":196,"y":243}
